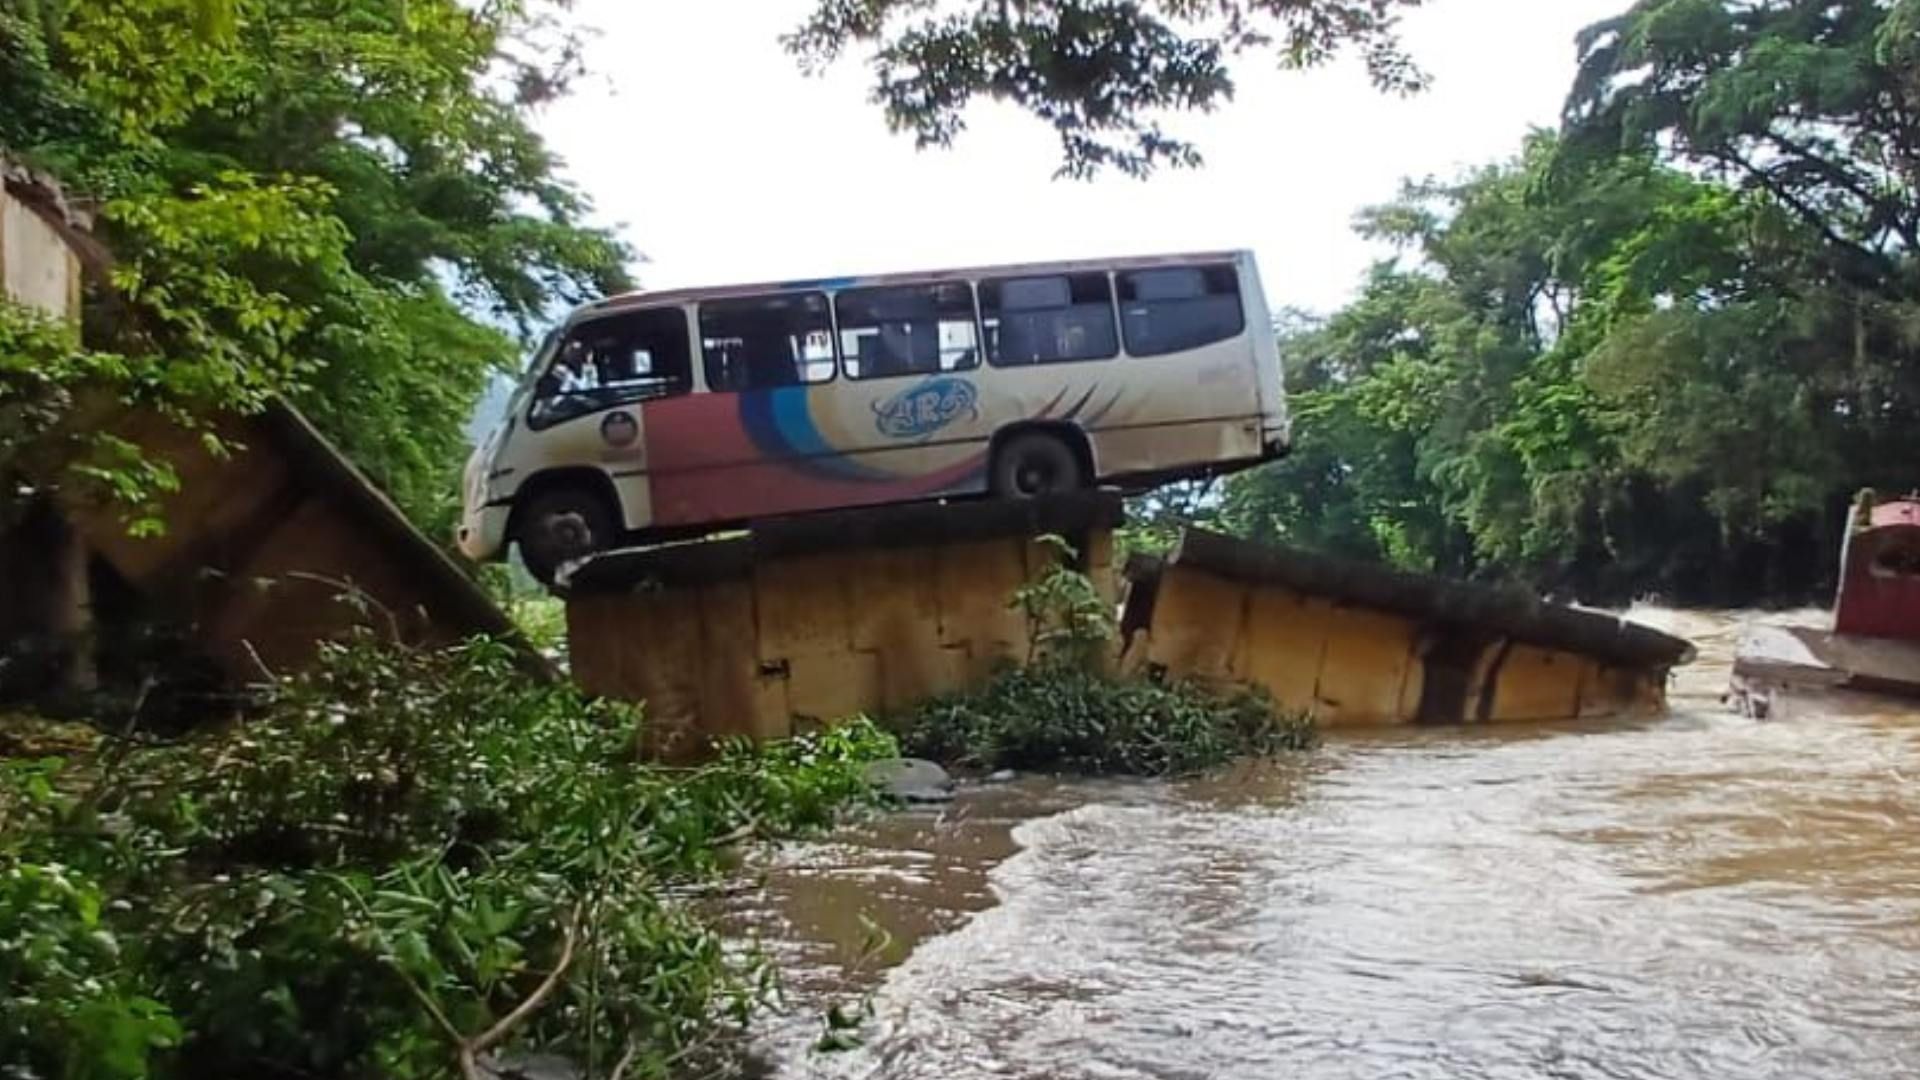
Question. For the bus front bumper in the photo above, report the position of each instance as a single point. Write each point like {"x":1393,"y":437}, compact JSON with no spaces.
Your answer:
{"x":482,"y":535}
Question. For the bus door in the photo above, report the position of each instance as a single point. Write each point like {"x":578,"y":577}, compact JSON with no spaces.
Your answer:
{"x":593,"y":401}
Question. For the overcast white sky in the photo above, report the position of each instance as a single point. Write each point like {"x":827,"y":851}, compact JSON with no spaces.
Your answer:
{"x":699,"y":137}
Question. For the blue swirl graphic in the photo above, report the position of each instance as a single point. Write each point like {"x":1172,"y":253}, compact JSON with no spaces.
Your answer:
{"x":924,"y":408}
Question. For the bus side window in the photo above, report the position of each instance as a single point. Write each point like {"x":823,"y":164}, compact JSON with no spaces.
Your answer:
{"x":760,"y":342}
{"x":907,"y":330}
{"x":615,"y":360}
{"x":1178,"y":308}
{"x":1047,"y":320}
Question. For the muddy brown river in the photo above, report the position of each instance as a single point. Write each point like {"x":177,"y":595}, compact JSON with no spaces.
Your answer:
{"x":1697,"y":896}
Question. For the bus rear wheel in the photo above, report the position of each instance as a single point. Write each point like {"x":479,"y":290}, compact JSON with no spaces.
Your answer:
{"x":1034,"y":464}
{"x":562,"y":524}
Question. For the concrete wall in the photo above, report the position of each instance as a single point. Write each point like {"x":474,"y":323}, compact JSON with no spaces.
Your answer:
{"x":811,"y":638}
{"x":45,"y":608}
{"x":36,"y":267}
{"x":267,"y":551}
{"x":1353,"y":667}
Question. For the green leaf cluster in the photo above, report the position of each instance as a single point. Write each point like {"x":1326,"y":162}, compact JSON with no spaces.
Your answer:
{"x":409,"y":859}
{"x":48,"y":380}
{"x":1059,"y":718}
{"x":343,"y":203}
{"x":1656,"y":352}
{"x":1064,"y":710}
{"x":1102,"y":75}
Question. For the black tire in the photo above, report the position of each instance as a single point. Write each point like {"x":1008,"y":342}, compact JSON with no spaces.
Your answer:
{"x":1036,"y":464}
{"x":562,"y":524}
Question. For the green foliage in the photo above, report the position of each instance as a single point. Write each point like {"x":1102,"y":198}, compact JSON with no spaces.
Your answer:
{"x":45,"y":377}
{"x":341,"y":769}
{"x":1068,"y":622}
{"x":410,"y":860}
{"x":542,"y":618}
{"x":1605,"y":373}
{"x":335,"y":202}
{"x":1810,"y":104}
{"x":1062,"y":710}
{"x":72,"y":1006}
{"x":1057,"y":717}
{"x":1789,"y":374}
{"x":1099,"y":73}
{"x":38,"y":103}
{"x":1155,"y":519}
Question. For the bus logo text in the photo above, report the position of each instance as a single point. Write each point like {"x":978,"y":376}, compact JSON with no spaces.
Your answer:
{"x":919,"y":411}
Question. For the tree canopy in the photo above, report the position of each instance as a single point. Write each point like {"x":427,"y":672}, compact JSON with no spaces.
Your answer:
{"x":1814,"y":104}
{"x":1104,"y":74}
{"x":344,"y":201}
{"x":1656,"y":351}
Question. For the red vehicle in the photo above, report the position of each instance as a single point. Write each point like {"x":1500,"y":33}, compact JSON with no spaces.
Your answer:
{"x":1880,"y":571}
{"x":1874,"y":645}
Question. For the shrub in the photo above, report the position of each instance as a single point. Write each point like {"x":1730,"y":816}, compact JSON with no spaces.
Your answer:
{"x":70,"y":1003}
{"x":1062,"y":718}
{"x":1061,"y":711}
{"x":381,"y":751}
{"x":411,"y":859}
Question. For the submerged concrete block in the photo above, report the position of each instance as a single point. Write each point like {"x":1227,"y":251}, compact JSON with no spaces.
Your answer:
{"x":1537,"y":684}
{"x":1355,"y":644}
{"x":1198,"y":623}
{"x":1364,"y":666}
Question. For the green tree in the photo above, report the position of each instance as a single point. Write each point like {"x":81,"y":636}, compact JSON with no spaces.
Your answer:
{"x":342,"y":202}
{"x":1798,"y":378}
{"x":1814,"y":104}
{"x":1365,"y":393}
{"x":1102,"y":73}
{"x":1654,"y":353}
{"x":1643,"y":381}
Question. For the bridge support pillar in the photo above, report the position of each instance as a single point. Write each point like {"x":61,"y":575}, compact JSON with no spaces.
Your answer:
{"x":808,"y":620}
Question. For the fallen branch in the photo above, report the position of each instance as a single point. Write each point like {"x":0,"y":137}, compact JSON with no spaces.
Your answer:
{"x":625,"y":1062}
{"x":471,"y":1049}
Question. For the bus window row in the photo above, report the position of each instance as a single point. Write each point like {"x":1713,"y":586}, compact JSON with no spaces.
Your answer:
{"x":788,"y":339}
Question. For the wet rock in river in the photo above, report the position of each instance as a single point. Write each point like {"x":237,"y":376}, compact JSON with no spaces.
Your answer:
{"x":911,"y":779}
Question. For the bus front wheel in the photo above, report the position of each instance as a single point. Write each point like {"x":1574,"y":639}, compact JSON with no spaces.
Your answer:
{"x":1035,"y":464}
{"x":562,"y":524}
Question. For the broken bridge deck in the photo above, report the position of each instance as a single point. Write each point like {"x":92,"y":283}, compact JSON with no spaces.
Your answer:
{"x":810,"y":619}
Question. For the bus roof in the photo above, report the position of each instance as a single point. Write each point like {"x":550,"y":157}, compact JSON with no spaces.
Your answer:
{"x":645,"y":298}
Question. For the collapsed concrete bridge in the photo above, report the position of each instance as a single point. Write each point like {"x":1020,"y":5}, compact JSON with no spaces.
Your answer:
{"x":1357,"y":644}
{"x":807,"y":620}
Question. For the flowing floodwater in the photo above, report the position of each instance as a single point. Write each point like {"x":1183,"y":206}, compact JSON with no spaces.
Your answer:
{"x":1696,"y":896}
